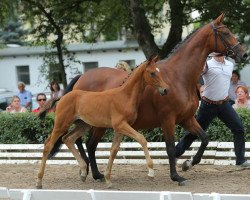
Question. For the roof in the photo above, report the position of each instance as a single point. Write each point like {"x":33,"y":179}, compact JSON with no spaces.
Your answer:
{"x":99,"y":46}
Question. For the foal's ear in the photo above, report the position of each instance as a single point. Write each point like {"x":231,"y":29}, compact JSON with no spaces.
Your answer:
{"x":220,"y":18}
{"x":154,"y":58}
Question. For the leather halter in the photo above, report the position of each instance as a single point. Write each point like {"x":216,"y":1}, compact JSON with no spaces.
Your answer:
{"x":230,"y":51}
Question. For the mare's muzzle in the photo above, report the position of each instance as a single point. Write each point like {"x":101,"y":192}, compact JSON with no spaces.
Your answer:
{"x":163,"y":91}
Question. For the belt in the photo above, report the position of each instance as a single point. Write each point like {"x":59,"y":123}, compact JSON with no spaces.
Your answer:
{"x":215,"y":102}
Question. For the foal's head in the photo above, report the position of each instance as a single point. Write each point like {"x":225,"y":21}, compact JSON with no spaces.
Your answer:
{"x":225,"y":42}
{"x":152,"y":76}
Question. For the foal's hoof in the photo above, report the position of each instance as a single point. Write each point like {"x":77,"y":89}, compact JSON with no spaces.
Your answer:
{"x":183,"y":183}
{"x":109,"y":185}
{"x":39,"y":186}
{"x":83,"y":176}
{"x":186,"y":165}
{"x":151,"y":173}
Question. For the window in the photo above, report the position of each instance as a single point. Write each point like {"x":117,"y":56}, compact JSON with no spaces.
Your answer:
{"x":54,"y":72}
{"x":131,"y":63}
{"x":23,"y":74}
{"x":89,"y":65}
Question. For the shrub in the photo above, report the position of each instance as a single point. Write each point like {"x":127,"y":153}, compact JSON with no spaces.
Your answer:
{"x":24,"y":128}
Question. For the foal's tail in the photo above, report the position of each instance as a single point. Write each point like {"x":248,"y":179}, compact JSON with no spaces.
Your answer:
{"x":47,"y":106}
{"x":51,"y":103}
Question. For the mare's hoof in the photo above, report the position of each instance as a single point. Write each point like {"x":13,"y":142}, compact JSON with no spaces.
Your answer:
{"x":99,"y":177}
{"x":183,"y":183}
{"x":186,"y":165}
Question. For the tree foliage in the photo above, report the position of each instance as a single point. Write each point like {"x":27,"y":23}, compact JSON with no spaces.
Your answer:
{"x":56,"y":23}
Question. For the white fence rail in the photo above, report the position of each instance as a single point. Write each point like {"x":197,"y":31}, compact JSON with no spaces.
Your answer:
{"x":217,"y":153}
{"x":29,"y":194}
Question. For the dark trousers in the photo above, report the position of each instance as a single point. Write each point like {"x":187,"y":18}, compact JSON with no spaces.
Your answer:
{"x":206,"y":113}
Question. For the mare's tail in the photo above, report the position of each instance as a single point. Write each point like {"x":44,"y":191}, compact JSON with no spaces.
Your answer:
{"x":56,"y":148}
{"x":71,"y":84}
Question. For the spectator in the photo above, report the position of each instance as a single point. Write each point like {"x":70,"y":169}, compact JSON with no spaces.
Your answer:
{"x":56,"y":92}
{"x":41,"y":100}
{"x":15,"y":106}
{"x":214,"y":103}
{"x":242,"y":99}
{"x":121,"y":65}
{"x":234,"y":83}
{"x":25,"y":96}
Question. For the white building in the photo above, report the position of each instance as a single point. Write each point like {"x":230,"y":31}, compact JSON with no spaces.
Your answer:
{"x":19,"y":63}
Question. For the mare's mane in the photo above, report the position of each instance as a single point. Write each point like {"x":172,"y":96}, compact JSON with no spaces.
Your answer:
{"x":177,"y":46}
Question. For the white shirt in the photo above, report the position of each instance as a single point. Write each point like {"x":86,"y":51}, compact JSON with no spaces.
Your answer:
{"x":217,"y":79}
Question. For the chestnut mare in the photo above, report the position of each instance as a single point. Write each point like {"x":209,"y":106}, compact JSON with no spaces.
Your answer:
{"x":183,"y":69}
{"x":116,"y":108}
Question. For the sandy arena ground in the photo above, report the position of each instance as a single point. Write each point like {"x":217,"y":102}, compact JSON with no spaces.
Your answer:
{"x":202,"y":178}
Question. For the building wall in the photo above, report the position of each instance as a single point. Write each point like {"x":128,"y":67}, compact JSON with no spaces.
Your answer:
{"x":105,"y":58}
{"x":8,"y":75}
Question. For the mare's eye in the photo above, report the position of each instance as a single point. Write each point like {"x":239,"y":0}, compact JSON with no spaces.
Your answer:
{"x":152,"y":73}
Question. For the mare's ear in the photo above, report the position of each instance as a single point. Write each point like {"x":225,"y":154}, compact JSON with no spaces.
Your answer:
{"x":219,"y":19}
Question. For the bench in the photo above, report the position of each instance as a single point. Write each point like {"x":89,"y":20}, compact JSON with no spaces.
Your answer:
{"x":217,"y":153}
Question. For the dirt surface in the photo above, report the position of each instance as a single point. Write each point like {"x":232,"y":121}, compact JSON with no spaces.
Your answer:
{"x":202,"y":178}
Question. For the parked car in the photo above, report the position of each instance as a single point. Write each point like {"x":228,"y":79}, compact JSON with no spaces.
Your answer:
{"x":5,"y":98}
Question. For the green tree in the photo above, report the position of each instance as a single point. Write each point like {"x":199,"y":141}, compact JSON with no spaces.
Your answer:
{"x":56,"y":23}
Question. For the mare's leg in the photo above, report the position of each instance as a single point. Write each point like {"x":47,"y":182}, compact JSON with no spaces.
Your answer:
{"x":125,"y":129}
{"x":204,"y":118}
{"x":113,"y":152}
{"x":58,"y":130}
{"x":70,"y":138}
{"x":96,"y":135}
{"x":168,"y":127}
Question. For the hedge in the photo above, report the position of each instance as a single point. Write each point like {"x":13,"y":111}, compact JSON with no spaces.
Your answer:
{"x":26,"y":128}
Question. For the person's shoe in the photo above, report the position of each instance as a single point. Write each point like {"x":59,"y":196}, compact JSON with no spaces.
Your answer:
{"x":245,"y":164}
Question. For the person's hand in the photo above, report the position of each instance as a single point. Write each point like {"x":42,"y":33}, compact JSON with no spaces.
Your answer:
{"x":9,"y":108}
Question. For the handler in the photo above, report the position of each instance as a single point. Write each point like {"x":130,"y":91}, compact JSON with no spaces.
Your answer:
{"x":214,"y":103}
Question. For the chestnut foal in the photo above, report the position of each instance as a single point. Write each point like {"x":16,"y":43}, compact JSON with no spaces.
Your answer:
{"x":115,"y":108}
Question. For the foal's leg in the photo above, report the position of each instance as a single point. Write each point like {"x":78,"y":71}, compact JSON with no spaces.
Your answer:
{"x":49,"y":143}
{"x":125,"y":129}
{"x":113,"y":152}
{"x":70,"y":138}
{"x":82,"y":152}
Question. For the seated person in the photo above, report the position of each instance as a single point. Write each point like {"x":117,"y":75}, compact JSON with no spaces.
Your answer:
{"x":15,"y":106}
{"x":242,"y":97}
{"x":123,"y":66}
{"x":41,"y":100}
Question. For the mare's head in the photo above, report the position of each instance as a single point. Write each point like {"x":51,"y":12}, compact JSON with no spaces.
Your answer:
{"x":152,"y":76}
{"x":224,"y":41}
